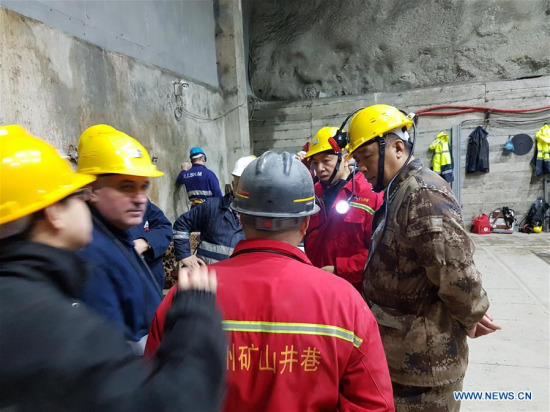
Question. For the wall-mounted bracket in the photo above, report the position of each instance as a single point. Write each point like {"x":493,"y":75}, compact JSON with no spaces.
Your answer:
{"x":179,"y":86}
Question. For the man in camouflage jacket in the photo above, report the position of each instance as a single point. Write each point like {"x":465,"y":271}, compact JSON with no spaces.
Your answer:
{"x":420,"y":281}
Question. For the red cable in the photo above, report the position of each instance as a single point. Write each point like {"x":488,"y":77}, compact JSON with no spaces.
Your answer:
{"x":428,"y":111}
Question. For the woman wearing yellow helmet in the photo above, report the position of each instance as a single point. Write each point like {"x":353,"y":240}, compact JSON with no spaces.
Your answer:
{"x":57,"y":354}
{"x":34,"y":178}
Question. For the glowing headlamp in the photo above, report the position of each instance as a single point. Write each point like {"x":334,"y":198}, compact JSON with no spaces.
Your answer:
{"x":342,"y":207}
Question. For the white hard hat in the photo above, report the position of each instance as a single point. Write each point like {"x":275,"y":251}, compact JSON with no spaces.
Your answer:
{"x":241,"y":164}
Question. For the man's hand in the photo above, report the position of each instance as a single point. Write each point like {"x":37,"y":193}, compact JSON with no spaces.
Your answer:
{"x":328,"y":269}
{"x":141,"y":245}
{"x":300,"y":155}
{"x":483,"y":327}
{"x":185,"y":166}
{"x":192,"y":262}
{"x":199,"y":278}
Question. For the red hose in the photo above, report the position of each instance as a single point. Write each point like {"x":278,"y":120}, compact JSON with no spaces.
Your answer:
{"x":429,"y":111}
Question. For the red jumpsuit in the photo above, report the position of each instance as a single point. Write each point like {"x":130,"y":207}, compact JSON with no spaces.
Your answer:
{"x":300,"y":339}
{"x":342,"y":240}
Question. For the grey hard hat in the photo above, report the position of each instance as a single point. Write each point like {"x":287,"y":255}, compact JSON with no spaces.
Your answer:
{"x":275,"y":186}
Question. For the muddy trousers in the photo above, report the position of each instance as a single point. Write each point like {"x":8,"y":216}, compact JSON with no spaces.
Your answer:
{"x":426,"y":399}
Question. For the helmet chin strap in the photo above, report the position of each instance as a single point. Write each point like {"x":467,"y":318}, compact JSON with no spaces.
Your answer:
{"x":343,"y":206}
{"x":381,"y":156}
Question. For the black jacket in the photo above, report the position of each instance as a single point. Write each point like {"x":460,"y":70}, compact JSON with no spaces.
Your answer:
{"x":56,"y":355}
{"x":477,"y":157}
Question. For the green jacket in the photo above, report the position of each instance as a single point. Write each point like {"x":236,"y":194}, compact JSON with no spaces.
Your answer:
{"x":422,"y":283}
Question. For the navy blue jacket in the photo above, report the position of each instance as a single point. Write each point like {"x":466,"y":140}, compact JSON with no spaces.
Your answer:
{"x":200,"y":183}
{"x":156,"y":229}
{"x":219,"y":227}
{"x":120,"y":286}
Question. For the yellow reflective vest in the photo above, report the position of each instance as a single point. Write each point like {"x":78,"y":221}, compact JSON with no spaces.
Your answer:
{"x":442,"y":162}
{"x":542,"y":154}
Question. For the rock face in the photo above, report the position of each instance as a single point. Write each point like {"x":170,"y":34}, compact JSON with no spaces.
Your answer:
{"x":321,"y":48}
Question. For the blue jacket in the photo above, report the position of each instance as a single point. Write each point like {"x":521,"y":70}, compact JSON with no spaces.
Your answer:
{"x":200,"y":183}
{"x":219,"y":227}
{"x":156,"y":229}
{"x":120,"y":286}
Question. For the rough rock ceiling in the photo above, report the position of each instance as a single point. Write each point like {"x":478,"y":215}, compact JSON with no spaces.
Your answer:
{"x":319,"y":48}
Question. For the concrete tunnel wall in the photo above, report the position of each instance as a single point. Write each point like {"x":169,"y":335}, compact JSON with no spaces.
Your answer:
{"x":57,"y":85}
{"x":510,"y":182}
{"x":175,"y":35}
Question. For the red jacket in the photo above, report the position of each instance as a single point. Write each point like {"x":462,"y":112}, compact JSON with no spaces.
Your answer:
{"x":340,"y":240}
{"x":301,"y":339}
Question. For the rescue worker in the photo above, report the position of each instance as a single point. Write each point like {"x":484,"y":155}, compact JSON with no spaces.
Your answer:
{"x":420,"y":281}
{"x":200,"y":182}
{"x":56,"y":354}
{"x":217,"y":223}
{"x":152,"y":238}
{"x":121,"y":286}
{"x":301,"y":338}
{"x":338,"y":236}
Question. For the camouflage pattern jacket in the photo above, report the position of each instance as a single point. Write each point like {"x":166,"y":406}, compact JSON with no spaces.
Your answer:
{"x":421,"y":281}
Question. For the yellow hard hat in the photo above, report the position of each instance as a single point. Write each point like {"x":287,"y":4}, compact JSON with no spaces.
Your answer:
{"x":94,"y":131}
{"x":321,"y":143}
{"x":33,"y":174}
{"x":375,"y":121}
{"x":102,"y":151}
{"x":537,"y":229}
